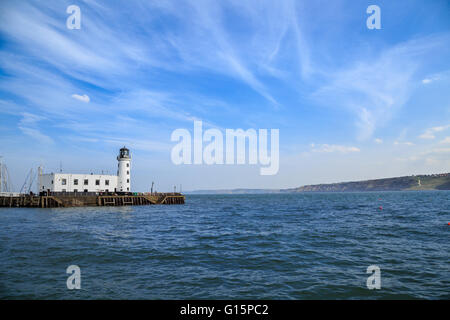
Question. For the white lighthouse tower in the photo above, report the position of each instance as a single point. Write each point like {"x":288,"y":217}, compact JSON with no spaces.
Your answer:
{"x":123,"y":171}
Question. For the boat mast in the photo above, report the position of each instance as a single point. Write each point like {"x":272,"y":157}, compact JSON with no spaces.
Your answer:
{"x":1,"y":175}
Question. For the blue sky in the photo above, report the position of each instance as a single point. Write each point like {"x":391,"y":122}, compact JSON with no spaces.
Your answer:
{"x":350,"y":103}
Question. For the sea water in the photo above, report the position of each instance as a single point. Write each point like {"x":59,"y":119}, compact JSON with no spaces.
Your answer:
{"x":266,"y":246}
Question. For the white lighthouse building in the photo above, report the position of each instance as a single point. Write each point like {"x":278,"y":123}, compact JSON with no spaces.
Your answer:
{"x":69,"y":182}
{"x":123,"y":171}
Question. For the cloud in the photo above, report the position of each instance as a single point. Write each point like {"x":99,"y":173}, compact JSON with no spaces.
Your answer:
{"x":430,"y":133}
{"x":446,"y":140}
{"x":327,"y":148}
{"x":406,"y":143}
{"x":28,"y":126}
{"x":140,"y":144}
{"x":374,"y":88}
{"x":440,"y":150}
{"x":378,"y":141}
{"x":30,"y":119}
{"x":431,"y":79}
{"x":37,"y":135}
{"x":84,"y":98}
{"x":431,"y":161}
{"x":427,"y":135}
{"x":201,"y":38}
{"x":434,"y":156}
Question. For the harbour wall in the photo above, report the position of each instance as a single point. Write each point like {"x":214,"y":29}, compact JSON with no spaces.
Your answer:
{"x":58,"y":200}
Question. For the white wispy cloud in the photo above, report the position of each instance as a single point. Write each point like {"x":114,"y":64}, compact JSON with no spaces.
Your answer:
{"x":329,"y":148}
{"x":378,"y":141}
{"x":430,"y":79}
{"x":446,"y":140}
{"x":435,"y":156}
{"x":427,"y":135}
{"x":440,"y":150}
{"x":430,"y":133}
{"x":28,"y":126}
{"x":203,"y":41}
{"x":141,"y":144}
{"x":374,"y":88}
{"x":37,"y":135}
{"x":405,"y":143}
{"x":84,"y":98}
{"x":29,"y":119}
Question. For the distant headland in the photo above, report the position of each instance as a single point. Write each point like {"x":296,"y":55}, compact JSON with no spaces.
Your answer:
{"x":440,"y":181}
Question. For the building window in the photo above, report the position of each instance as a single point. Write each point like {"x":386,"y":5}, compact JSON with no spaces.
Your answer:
{"x":128,"y":172}
{"x":128,"y":180}
{"x":75,"y":190}
{"x":128,"y":189}
{"x":64,"y":182}
{"x":75,"y":182}
{"x":52,"y":181}
{"x":106,"y":182}
{"x":63,"y":190}
{"x":85,"y":190}
{"x":97,"y":182}
{"x":128,"y":165}
{"x":86,"y":182}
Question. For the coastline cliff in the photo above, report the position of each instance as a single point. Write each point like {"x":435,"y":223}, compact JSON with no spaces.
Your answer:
{"x":416,"y":182}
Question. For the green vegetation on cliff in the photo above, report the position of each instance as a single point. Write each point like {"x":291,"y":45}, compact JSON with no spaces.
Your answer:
{"x":420,"y":182}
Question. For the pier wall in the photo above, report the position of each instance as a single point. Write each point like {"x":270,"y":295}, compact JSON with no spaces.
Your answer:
{"x":55,"y":200}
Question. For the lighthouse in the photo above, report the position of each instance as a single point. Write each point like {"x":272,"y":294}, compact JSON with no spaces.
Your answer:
{"x":71,"y":182}
{"x":123,"y":171}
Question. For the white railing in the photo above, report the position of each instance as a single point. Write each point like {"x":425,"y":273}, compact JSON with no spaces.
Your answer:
{"x":10,"y":194}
